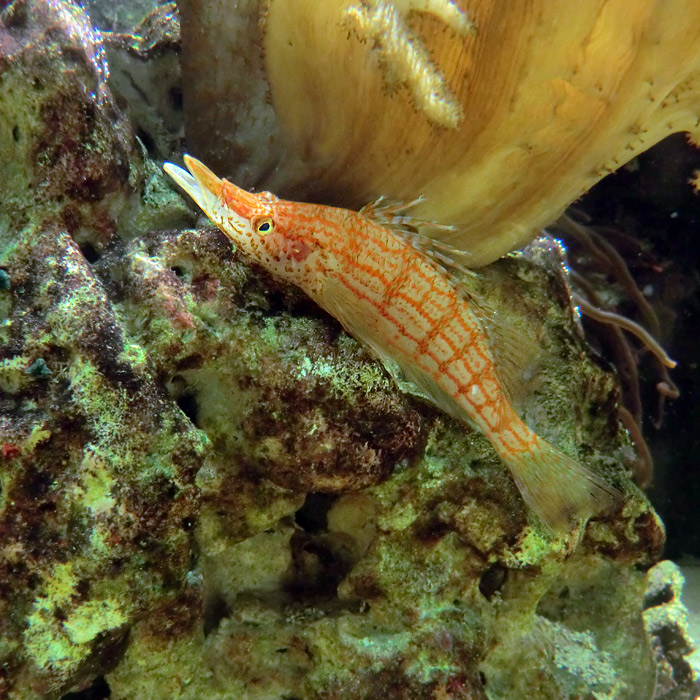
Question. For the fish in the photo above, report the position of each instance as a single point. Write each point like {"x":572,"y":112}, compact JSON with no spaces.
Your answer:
{"x":390,"y":288}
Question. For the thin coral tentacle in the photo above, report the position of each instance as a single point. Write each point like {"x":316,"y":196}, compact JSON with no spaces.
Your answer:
{"x":644,"y":469}
{"x":608,"y":256}
{"x":610,"y":317}
{"x":606,"y":259}
{"x":624,"y":359}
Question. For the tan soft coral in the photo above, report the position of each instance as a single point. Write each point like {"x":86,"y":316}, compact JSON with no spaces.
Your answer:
{"x":500,"y":114}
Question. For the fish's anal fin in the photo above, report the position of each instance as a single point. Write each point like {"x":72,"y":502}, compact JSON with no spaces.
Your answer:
{"x":437,"y":395}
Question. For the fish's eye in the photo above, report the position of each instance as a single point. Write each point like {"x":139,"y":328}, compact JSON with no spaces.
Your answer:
{"x":264,"y":226}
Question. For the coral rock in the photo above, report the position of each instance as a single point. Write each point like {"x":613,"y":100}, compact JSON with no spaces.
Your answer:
{"x":209,"y":490}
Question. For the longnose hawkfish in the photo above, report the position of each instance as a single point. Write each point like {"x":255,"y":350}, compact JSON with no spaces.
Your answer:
{"x":395,"y":297}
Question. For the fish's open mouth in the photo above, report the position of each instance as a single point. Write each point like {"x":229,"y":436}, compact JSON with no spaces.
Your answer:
{"x":200,"y":183}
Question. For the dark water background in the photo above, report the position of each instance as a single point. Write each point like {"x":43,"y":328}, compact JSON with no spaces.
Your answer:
{"x":653,"y":201}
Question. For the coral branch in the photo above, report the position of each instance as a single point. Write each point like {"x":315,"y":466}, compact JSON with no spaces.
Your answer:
{"x":404,"y":61}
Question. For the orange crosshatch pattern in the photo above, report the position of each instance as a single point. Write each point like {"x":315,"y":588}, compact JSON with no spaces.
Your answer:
{"x":394,"y":297}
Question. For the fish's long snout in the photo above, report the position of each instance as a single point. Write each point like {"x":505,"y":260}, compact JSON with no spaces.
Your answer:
{"x":200,"y":182}
{"x":213,"y":193}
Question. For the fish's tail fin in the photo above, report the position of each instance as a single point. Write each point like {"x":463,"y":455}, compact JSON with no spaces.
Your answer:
{"x":560,"y":490}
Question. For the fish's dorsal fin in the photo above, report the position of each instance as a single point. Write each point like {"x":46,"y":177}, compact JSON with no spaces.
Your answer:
{"x":516,"y":354}
{"x":419,"y":234}
{"x":393,"y":215}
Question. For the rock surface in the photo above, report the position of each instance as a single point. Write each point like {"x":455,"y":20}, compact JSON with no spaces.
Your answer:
{"x":209,"y":490}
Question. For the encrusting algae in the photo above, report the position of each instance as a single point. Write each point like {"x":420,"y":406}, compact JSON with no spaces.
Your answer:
{"x":387,"y":291}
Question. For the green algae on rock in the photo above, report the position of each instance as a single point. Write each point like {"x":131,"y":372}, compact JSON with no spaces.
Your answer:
{"x":419,"y":580}
{"x":98,"y":465}
{"x":210,"y":491}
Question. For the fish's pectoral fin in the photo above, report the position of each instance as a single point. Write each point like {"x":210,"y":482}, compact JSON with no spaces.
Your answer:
{"x":356,"y":322}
